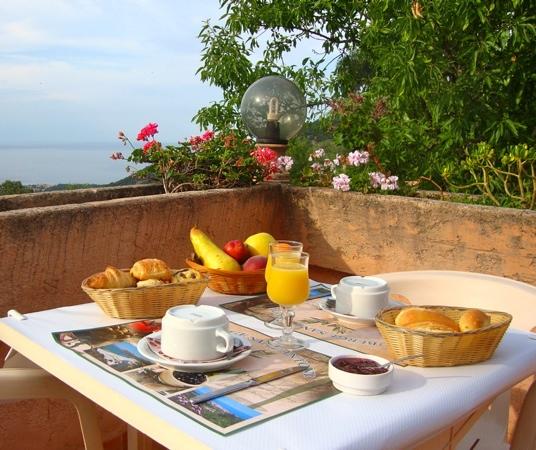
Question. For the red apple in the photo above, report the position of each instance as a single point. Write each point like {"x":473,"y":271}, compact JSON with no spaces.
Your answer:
{"x":256,"y":262}
{"x":237,"y":249}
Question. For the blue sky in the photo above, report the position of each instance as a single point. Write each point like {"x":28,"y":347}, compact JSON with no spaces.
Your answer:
{"x":80,"y":70}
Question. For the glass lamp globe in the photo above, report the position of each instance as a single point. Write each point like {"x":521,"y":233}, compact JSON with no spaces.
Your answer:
{"x":273,"y":110}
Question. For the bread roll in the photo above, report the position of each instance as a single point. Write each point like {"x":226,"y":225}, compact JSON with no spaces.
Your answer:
{"x":151,"y":268}
{"x":434,"y":327}
{"x":186,"y":276}
{"x":149,"y":282}
{"x":111,"y":278}
{"x":473,"y":319}
{"x":429,"y":320}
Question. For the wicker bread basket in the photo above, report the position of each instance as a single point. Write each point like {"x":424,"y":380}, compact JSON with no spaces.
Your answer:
{"x":444,"y":348}
{"x":148,"y":301}
{"x":231,"y":282}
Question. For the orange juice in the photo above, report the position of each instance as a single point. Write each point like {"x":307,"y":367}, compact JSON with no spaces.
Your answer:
{"x":281,"y":247}
{"x":289,"y":282}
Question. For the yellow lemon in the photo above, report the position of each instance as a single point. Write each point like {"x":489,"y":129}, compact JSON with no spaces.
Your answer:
{"x":258,"y":244}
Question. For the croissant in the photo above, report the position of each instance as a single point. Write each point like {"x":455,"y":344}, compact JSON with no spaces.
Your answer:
{"x":146,"y":269}
{"x":111,"y":278}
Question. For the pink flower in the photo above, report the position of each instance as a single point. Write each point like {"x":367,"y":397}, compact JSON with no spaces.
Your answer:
{"x":317,"y":167}
{"x":319,"y":153}
{"x":390,"y":183}
{"x":117,"y":155}
{"x":357,"y":158}
{"x":284,"y":163}
{"x":207,"y":135}
{"x":329,"y":164}
{"x":379,"y":180}
{"x":376,"y":179}
{"x":341,"y":182}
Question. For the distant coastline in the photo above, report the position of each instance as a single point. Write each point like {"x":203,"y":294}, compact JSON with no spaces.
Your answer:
{"x":54,"y":164}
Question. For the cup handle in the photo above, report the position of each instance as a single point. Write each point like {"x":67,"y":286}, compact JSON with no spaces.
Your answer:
{"x":333,"y":291}
{"x":229,"y":341}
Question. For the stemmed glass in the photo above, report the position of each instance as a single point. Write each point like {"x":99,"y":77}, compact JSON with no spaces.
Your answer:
{"x":279,"y":246}
{"x":288,"y":286}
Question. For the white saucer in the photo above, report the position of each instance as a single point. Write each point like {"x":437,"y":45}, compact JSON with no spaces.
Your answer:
{"x":193,"y":366}
{"x":348,"y":318}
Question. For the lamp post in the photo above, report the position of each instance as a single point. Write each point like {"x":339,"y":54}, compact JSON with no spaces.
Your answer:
{"x":273,"y":110}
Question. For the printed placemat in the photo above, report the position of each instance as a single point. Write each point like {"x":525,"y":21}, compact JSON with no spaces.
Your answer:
{"x":114,"y":349}
{"x":312,"y":320}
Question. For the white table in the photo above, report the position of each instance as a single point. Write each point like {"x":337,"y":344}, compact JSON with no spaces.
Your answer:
{"x":420,"y":402}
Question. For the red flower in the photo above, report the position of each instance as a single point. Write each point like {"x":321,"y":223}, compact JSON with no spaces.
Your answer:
{"x":150,"y":146}
{"x":264,"y":155}
{"x":147,"y":131}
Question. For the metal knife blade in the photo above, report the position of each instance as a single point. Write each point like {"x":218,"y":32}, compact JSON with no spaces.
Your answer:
{"x":245,"y":384}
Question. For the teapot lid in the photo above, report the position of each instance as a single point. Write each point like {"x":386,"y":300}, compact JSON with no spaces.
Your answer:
{"x":196,"y":316}
{"x":368,"y":284}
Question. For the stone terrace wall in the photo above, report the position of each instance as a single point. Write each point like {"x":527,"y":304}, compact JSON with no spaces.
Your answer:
{"x":55,"y":198}
{"x":45,"y":253}
{"x":367,"y":234}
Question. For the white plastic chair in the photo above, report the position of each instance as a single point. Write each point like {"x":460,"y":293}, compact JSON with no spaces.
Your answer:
{"x":525,"y":432}
{"x":20,"y":379}
{"x":474,"y":290}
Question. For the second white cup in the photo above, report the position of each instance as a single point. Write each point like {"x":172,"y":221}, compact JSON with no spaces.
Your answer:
{"x":362,"y":297}
{"x":196,"y":333}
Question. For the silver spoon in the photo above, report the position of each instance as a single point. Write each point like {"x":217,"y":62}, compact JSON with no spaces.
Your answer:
{"x":394,"y":361}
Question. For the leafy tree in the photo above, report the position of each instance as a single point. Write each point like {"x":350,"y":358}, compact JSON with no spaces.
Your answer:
{"x":416,"y":82}
{"x":9,"y":187}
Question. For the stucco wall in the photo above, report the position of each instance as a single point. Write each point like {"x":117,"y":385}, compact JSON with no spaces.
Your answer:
{"x":367,"y":234}
{"x":45,"y":252}
{"x":54,"y":198}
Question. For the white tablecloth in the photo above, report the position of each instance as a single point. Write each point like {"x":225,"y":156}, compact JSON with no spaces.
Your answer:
{"x":420,"y":402}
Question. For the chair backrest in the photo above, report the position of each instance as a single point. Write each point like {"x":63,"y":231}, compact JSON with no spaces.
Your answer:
{"x":525,"y":432}
{"x":473,"y":290}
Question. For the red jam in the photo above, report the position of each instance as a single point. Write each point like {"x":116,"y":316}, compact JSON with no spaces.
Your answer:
{"x":362,"y":366}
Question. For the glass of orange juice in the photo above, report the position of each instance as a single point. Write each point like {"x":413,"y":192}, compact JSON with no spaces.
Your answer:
{"x":280,"y":246}
{"x":288,"y":286}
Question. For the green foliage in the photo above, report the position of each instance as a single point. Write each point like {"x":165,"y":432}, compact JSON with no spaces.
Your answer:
{"x":506,"y":178}
{"x":9,"y":187}
{"x":414,"y":83}
{"x":222,"y":160}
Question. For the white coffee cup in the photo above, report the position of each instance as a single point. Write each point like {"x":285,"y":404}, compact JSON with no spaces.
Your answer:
{"x":360,"y":296}
{"x":196,"y":333}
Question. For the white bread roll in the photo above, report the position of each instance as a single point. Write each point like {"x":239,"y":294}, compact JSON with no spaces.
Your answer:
{"x":151,"y":268}
{"x":425,"y":319}
{"x":473,"y":319}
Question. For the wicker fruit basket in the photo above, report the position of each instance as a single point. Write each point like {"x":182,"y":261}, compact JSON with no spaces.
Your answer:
{"x":231,"y":282}
{"x":444,"y":348}
{"x":146,"y":302}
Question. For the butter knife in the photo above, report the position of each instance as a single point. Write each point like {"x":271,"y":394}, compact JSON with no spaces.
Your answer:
{"x":245,"y":384}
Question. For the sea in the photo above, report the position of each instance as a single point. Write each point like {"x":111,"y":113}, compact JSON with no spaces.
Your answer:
{"x":63,"y":163}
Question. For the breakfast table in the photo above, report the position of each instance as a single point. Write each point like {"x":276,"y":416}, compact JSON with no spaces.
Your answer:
{"x":419,"y":404}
